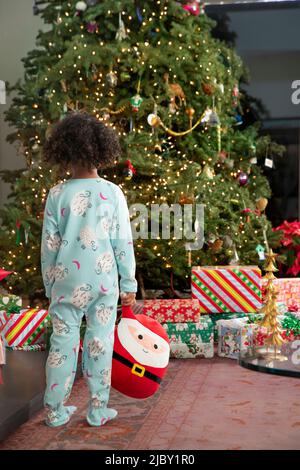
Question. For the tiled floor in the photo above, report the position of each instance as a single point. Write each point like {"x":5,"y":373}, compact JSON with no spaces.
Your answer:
{"x":203,"y":404}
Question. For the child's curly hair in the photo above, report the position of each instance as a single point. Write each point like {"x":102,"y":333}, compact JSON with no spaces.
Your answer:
{"x":82,"y":139}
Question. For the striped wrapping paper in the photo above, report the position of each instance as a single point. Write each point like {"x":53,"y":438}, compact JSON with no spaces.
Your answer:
{"x":3,"y":319}
{"x":25,"y":328}
{"x":227,"y":289}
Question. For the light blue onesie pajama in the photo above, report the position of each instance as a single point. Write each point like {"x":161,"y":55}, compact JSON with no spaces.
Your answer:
{"x":86,"y":244}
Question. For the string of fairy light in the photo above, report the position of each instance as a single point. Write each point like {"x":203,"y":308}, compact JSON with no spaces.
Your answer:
{"x":150,"y":190}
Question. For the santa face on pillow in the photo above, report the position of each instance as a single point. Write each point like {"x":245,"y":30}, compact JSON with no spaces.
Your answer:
{"x":141,"y":355}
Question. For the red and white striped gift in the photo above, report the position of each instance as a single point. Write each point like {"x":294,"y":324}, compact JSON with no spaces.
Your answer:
{"x":227,"y":289}
{"x":25,"y":328}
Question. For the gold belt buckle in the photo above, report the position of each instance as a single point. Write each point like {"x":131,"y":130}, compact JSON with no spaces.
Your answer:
{"x":135,"y":372}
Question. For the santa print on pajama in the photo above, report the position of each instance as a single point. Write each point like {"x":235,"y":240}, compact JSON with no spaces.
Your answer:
{"x":86,"y":245}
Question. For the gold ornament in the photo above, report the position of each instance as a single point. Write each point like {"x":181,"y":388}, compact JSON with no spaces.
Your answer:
{"x":175,"y":91}
{"x":186,"y":199}
{"x":190,"y":113}
{"x":153,"y":120}
{"x":217,"y":245}
{"x":261,"y":204}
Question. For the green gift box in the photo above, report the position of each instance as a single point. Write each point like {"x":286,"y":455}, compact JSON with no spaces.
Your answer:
{"x":191,"y":340}
{"x":10,"y":303}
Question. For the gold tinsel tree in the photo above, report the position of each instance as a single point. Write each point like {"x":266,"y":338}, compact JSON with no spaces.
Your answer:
{"x":270,"y":309}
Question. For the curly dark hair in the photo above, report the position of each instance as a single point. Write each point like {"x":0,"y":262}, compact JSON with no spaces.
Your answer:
{"x":82,"y":139}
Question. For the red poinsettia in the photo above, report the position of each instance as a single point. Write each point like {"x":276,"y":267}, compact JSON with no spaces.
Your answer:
{"x":291,"y":245}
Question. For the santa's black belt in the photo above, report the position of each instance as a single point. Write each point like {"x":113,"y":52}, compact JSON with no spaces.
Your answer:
{"x":136,"y":369}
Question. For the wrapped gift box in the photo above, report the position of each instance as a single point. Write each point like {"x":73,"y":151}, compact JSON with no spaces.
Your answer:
{"x":191,"y":340}
{"x":226,"y":316}
{"x":250,"y":317}
{"x":238,"y":335}
{"x":288,"y":292}
{"x":8,"y":302}
{"x":25,"y":328}
{"x":227,"y":289}
{"x":3,"y":318}
{"x":173,"y":310}
{"x":234,"y":337}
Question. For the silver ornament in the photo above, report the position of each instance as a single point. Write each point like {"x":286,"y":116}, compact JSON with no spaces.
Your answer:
{"x":121,"y":33}
{"x":111,"y":79}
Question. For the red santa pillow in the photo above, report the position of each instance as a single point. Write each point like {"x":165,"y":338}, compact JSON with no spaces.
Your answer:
{"x":141,"y":355}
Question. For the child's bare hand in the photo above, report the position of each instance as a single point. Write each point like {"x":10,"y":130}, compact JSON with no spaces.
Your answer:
{"x":128,"y":298}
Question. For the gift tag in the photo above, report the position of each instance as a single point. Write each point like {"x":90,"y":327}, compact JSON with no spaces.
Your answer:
{"x":269,"y":162}
{"x":253,"y":160}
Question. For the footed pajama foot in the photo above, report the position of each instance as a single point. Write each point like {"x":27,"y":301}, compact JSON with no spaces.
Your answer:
{"x":98,"y":417}
{"x":55,"y":419}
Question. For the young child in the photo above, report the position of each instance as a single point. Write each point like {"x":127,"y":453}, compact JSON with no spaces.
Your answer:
{"x":86,"y":244}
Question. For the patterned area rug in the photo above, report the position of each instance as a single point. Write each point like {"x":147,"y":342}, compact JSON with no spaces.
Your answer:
{"x":202,"y":404}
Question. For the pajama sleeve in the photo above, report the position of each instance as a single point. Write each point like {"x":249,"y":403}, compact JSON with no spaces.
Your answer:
{"x":121,"y":240}
{"x":50,"y":245}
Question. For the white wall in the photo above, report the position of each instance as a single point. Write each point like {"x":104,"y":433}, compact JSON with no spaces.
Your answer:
{"x":18,"y":29}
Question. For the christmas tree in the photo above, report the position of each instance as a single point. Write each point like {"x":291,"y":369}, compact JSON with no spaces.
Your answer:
{"x":154,"y":72}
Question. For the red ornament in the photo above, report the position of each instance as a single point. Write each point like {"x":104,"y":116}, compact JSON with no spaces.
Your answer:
{"x":235,"y":95}
{"x":208,"y":89}
{"x":246,"y":212}
{"x":193,"y":8}
{"x":235,"y":91}
{"x":141,"y":355}
{"x":129,"y":170}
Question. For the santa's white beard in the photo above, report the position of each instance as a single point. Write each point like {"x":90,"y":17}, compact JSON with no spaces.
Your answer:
{"x":157,"y":359}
